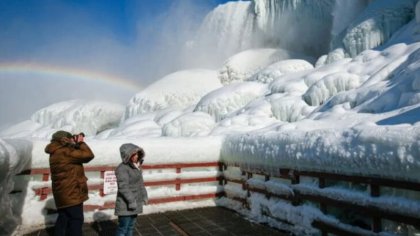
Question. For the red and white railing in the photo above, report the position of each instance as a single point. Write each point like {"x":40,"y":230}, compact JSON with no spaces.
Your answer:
{"x":43,"y":191}
{"x":296,"y":198}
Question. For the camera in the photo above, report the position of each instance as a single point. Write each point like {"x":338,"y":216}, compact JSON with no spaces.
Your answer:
{"x":76,"y":136}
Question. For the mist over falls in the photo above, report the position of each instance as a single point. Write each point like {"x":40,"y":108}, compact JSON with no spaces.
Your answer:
{"x":313,"y":28}
{"x":300,"y":26}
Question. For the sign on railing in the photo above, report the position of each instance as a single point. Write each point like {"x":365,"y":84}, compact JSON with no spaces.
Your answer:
{"x":110,"y":182}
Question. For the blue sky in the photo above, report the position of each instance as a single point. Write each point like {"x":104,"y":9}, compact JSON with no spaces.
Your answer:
{"x":136,"y":40}
{"x":111,"y":36}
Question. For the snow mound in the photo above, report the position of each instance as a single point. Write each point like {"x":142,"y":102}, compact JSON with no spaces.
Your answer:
{"x":133,"y":128}
{"x":402,"y":90}
{"x":177,"y":90}
{"x":289,"y":108}
{"x":89,"y":117}
{"x":229,"y":99}
{"x":165,"y":116}
{"x":367,"y":149}
{"x":255,"y":115}
{"x":270,"y":73}
{"x":15,"y":157}
{"x":379,"y":72}
{"x":333,"y":56}
{"x":290,"y":83}
{"x":245,"y":64}
{"x":190,"y":124}
{"x":329,"y":86}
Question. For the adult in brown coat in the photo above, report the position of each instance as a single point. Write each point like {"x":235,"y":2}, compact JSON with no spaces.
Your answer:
{"x":69,"y":183}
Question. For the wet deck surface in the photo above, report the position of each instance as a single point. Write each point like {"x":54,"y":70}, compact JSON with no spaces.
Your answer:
{"x":207,"y":221}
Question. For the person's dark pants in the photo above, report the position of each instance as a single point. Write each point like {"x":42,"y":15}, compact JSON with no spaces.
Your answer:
{"x":126,"y":225}
{"x":69,"y":221}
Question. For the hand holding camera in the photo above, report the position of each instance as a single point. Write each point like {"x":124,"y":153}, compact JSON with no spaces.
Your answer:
{"x":79,"y":138}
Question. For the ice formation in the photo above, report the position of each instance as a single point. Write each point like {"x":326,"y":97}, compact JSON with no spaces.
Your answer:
{"x":91,"y":117}
{"x":189,"y":124}
{"x":273,"y":71}
{"x":228,"y":99}
{"x":329,"y":86}
{"x":243,"y":65}
{"x":177,"y":90}
{"x":375,"y":25}
{"x":312,"y":22}
{"x":226,"y":30}
{"x":289,"y":108}
{"x":15,"y":157}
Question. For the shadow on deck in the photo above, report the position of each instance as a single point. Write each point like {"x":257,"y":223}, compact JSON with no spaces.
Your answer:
{"x":207,"y":221}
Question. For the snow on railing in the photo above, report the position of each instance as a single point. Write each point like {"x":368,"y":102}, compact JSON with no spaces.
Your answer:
{"x":325,"y":195}
{"x":286,"y":185}
{"x":44,"y":190}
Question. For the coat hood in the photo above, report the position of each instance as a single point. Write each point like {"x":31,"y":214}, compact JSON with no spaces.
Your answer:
{"x":52,"y":147}
{"x":128,"y":149}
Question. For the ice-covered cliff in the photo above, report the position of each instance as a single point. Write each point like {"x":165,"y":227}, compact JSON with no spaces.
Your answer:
{"x":375,"y":25}
{"x":226,"y":30}
{"x":311,"y":21}
{"x":309,"y":27}
{"x":238,"y":26}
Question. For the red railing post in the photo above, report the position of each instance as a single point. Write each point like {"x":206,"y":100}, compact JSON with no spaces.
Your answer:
{"x":178,"y":180}
{"x":375,"y":191}
{"x":101,"y":190}
{"x":249,"y":176}
{"x":243,"y":173}
{"x":267,"y":193}
{"x":321,"y":184}
{"x":45,"y":176}
{"x":222,"y":168}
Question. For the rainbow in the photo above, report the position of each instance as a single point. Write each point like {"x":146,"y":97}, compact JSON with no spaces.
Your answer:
{"x":60,"y":72}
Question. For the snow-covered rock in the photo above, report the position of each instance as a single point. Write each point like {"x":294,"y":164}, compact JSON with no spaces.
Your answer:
{"x":133,"y":128}
{"x":15,"y":157}
{"x":329,"y":86}
{"x":255,"y":115}
{"x":375,"y":25}
{"x":278,"y":69}
{"x":231,"y":98}
{"x":189,"y":125}
{"x":75,"y":116}
{"x":289,"y":108}
{"x":177,"y":91}
{"x":245,"y":64}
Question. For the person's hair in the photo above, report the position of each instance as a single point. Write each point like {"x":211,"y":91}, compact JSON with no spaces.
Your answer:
{"x":140,"y":153}
{"x":59,"y":135}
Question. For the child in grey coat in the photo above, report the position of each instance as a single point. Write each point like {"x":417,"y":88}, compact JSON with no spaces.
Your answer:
{"x":131,"y":191}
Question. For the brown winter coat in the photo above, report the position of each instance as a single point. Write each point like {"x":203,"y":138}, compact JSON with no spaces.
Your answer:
{"x":69,"y":183}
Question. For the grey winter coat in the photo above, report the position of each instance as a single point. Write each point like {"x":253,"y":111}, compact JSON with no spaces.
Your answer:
{"x":131,"y":191}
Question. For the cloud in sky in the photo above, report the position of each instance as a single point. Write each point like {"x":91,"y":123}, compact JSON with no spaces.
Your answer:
{"x":134,"y":40}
